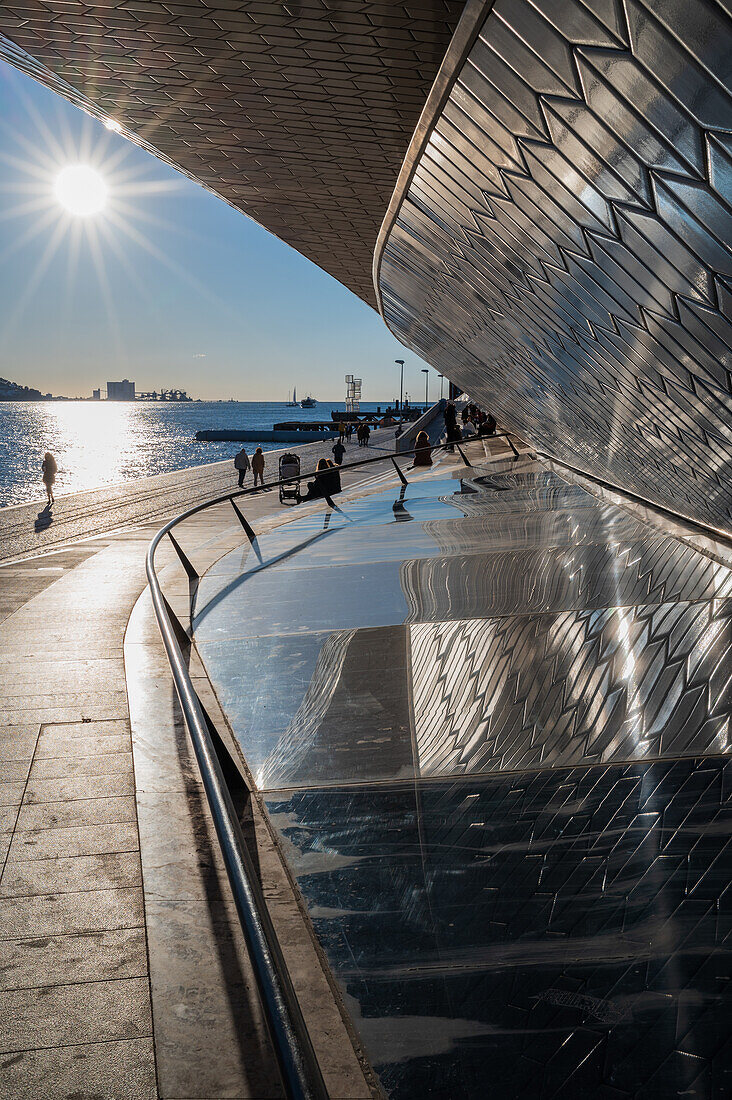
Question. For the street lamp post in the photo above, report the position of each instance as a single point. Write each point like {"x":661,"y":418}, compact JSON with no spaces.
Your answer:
{"x":400,"y":364}
{"x":426,"y":374}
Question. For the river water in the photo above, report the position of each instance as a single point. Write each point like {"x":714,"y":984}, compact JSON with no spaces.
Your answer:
{"x":99,"y":443}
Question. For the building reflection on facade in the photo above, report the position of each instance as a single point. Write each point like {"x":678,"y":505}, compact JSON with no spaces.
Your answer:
{"x":500,"y":779}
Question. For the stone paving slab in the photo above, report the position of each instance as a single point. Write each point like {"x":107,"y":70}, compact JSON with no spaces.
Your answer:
{"x":80,"y":739}
{"x":105,"y":1071}
{"x":104,"y":871}
{"x":71,"y":767}
{"x":74,"y":958}
{"x":62,"y":913}
{"x":11,"y":792}
{"x":86,"y":840}
{"x":79,"y":787}
{"x":17,"y":742}
{"x":52,"y":1016}
{"x":75,"y":812}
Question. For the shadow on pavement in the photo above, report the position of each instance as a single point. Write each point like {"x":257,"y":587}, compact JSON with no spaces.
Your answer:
{"x":45,"y":519}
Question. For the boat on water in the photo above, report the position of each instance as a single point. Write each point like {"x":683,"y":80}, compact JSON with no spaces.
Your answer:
{"x":294,"y":404}
{"x":308,"y":402}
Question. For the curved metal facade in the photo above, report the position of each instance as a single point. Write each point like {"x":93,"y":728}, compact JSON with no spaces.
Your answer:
{"x":562,"y":250}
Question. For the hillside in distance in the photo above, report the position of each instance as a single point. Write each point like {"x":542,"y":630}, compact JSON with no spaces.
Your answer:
{"x":12,"y":391}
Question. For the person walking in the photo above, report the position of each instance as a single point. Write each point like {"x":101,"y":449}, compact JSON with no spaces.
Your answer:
{"x":242,"y":464}
{"x":338,"y":451}
{"x":258,"y":467}
{"x":341,"y":431}
{"x":349,"y":431}
{"x":49,"y":470}
{"x":366,"y":435}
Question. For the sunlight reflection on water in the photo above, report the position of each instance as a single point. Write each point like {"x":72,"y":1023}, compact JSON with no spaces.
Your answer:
{"x":103,"y":443}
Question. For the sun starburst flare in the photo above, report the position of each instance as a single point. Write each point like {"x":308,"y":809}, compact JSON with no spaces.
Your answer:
{"x":81,"y":191}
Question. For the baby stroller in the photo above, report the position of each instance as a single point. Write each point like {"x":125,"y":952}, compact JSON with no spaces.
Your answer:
{"x":289,"y":467}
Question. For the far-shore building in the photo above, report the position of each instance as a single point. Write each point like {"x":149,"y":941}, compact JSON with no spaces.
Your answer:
{"x":121,"y":391}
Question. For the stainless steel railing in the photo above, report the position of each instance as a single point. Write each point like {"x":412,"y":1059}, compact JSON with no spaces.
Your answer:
{"x":297,"y":1062}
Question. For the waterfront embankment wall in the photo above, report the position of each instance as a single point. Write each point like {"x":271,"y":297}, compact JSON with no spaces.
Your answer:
{"x":252,"y":435}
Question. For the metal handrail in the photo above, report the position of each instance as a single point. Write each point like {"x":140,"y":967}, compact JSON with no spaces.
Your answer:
{"x":296,"y":1059}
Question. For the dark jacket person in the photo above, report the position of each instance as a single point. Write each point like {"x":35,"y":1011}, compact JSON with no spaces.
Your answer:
{"x":422,"y":450}
{"x":258,"y":466}
{"x":339,"y":450}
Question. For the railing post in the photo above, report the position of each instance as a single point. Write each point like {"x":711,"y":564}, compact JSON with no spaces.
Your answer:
{"x":463,"y":455}
{"x":248,"y":529}
{"x":398,"y":470}
{"x":192,"y":574}
{"x":243,"y":521}
{"x":193,"y":577}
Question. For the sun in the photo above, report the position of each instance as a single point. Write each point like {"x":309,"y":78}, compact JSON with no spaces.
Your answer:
{"x":81,"y":190}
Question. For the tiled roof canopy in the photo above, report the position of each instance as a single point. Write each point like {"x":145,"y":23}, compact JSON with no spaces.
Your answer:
{"x":299,"y":113}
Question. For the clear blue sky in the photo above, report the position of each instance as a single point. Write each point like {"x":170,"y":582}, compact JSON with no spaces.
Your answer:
{"x":167,"y":285}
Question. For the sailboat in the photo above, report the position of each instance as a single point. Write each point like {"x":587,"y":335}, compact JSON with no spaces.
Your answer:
{"x":294,"y":403}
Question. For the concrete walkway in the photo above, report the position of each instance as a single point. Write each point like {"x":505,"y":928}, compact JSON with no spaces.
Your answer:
{"x":78,"y":1015}
{"x":26,"y":529}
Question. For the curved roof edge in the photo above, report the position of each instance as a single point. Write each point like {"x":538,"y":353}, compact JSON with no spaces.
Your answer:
{"x":472,"y":19}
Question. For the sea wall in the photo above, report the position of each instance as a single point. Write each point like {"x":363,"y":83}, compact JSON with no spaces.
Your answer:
{"x":256,"y":435}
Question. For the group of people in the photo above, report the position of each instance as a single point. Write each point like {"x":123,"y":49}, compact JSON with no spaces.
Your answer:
{"x":345,"y":431}
{"x":477,"y":422}
{"x":327,"y":477}
{"x":363,"y":434}
{"x":474,"y":422}
{"x":242,"y":465}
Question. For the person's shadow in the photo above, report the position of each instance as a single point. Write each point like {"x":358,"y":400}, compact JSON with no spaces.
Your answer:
{"x":45,"y":519}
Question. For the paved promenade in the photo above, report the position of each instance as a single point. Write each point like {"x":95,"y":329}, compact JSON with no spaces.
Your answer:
{"x":27,"y":528}
{"x":116,"y":975}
